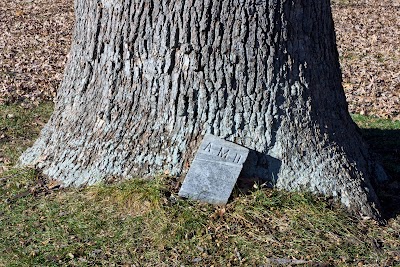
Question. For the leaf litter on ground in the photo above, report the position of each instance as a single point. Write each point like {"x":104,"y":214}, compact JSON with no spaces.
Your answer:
{"x":103,"y":224}
{"x":35,"y":38}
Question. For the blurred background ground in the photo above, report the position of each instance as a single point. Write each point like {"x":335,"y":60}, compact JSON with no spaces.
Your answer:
{"x":35,"y":37}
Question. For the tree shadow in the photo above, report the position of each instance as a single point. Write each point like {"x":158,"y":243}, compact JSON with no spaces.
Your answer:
{"x":385,"y":144}
{"x":258,"y":170}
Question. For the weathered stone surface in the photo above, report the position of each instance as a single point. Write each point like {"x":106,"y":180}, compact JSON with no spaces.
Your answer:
{"x":214,"y":171}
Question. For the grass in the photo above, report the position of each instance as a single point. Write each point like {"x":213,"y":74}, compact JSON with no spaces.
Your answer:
{"x":370,"y":122}
{"x":138,"y":222}
{"x":383,"y":136}
{"x":19,"y":126}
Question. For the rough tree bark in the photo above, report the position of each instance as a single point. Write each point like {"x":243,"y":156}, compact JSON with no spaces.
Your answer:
{"x":147,"y":79}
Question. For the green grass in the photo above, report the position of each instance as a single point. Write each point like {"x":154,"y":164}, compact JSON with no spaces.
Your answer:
{"x":383,"y":136}
{"x":370,"y":122}
{"x":144,"y":223}
{"x":18,"y":128}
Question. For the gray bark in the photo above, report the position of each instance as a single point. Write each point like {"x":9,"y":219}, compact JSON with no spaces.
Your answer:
{"x":147,"y":79}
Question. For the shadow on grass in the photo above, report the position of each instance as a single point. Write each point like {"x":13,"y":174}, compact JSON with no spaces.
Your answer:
{"x":386,"y":145}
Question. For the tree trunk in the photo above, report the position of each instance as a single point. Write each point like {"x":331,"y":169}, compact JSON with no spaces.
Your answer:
{"x":147,"y":79}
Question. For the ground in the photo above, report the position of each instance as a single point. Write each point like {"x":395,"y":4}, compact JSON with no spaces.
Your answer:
{"x":136,"y":222}
{"x":368,"y":38}
{"x":35,"y":37}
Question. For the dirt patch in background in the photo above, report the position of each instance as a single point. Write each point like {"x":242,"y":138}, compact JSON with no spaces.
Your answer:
{"x":35,"y":39}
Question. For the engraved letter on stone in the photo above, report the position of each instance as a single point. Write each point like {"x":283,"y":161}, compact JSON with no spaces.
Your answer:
{"x":214,"y":171}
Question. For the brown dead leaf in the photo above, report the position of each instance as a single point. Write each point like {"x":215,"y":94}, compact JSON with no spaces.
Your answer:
{"x":53,"y":184}
{"x":19,"y":13}
{"x":219,"y":213}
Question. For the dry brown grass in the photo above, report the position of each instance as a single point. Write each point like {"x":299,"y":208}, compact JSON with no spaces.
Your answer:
{"x":107,"y":225}
{"x":138,"y":223}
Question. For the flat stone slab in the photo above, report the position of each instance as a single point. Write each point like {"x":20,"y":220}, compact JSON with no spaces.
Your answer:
{"x":214,"y":171}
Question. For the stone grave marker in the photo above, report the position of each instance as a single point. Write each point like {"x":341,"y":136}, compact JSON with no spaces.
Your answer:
{"x":214,"y":171}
